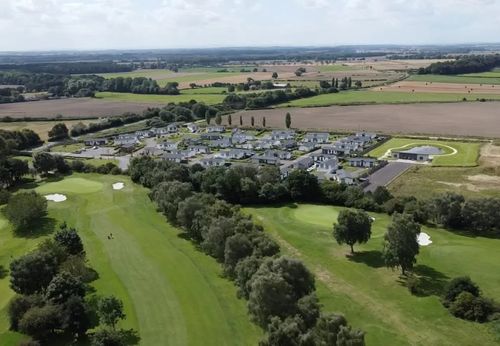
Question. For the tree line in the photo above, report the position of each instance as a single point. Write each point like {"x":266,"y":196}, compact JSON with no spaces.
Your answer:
{"x":280,"y":290}
{"x":463,"y":64}
{"x":67,"y":68}
{"x":54,"y":299}
{"x":11,"y":95}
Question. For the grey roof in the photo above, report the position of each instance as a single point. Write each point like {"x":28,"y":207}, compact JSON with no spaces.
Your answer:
{"x":368,"y":159}
{"x":423,"y":150}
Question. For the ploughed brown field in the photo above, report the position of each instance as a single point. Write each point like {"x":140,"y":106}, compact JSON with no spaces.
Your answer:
{"x":450,"y":119}
{"x":75,"y":107}
{"x":428,"y":87}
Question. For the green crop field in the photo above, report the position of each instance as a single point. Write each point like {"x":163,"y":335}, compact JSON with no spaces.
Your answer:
{"x":128,"y":97}
{"x":488,"y":78}
{"x":165,"y":76}
{"x":382,"y":97}
{"x":459,"y":154}
{"x":373,"y":297}
{"x":172,"y":293}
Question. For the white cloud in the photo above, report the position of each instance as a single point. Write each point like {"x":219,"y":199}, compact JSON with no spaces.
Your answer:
{"x":102,"y":24}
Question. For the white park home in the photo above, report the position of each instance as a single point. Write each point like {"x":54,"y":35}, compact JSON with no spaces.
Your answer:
{"x":236,"y":154}
{"x":316,"y":137}
{"x":215,"y":128}
{"x":192,"y":127}
{"x":307,"y":147}
{"x":95,"y":142}
{"x":328,"y":166}
{"x":199,"y":149}
{"x":172,"y":128}
{"x":364,"y":162}
{"x":213,"y":162}
{"x":281,"y":154}
{"x":168,"y":145}
{"x":282,"y":134}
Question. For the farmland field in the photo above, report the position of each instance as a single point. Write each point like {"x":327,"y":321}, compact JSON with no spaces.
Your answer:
{"x":386,"y":97}
{"x":461,"y":79}
{"x":160,"y":99}
{"x":451,"y":119}
{"x":172,"y":293}
{"x":373,"y":297}
{"x":40,"y":127}
{"x":459,"y":154}
{"x":73,"y":108}
{"x":469,"y":91}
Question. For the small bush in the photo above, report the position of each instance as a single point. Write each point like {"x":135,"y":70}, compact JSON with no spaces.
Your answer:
{"x":471,"y":308}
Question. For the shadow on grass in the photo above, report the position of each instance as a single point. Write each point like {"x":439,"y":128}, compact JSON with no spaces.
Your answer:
{"x":466,"y":232}
{"x":427,"y":281}
{"x":3,"y":272}
{"x":44,"y":226}
{"x":372,"y":258}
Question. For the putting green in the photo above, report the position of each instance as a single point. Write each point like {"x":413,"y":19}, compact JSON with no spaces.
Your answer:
{"x":172,"y":293}
{"x":373,"y":297}
{"x":71,"y":185}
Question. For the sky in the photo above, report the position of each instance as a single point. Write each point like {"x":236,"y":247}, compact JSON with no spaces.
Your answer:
{"x":146,"y":24}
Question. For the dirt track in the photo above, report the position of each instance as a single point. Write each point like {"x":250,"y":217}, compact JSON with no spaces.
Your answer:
{"x":75,"y":107}
{"x":451,"y":119}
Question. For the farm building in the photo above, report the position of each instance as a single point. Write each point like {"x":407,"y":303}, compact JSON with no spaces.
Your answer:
{"x":423,"y":153}
{"x":365,"y":162}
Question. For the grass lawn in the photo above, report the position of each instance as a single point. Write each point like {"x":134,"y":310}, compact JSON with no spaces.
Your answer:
{"x":486,"y":78}
{"x":373,"y":297}
{"x":201,"y":91}
{"x":381,"y":97}
{"x":172,"y":293}
{"x":128,"y":97}
{"x":467,"y":153}
{"x":424,"y":182}
{"x":68,"y":148}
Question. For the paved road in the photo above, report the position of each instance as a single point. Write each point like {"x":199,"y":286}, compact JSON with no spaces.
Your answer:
{"x":387,"y":174}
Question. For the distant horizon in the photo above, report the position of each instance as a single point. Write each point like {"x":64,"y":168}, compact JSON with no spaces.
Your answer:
{"x":380,"y":45}
{"x":96,"y":25}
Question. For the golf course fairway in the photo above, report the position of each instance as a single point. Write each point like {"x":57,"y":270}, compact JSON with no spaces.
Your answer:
{"x":373,"y":297}
{"x":172,"y":293}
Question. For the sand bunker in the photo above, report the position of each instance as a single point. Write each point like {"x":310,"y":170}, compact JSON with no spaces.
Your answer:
{"x":424,"y":239}
{"x":56,"y":197}
{"x":118,"y":186}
